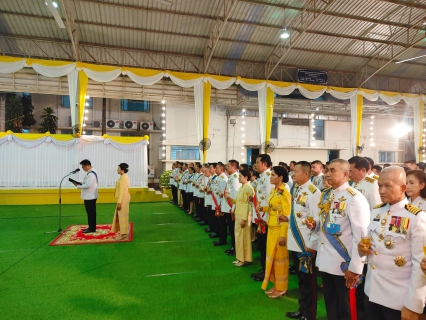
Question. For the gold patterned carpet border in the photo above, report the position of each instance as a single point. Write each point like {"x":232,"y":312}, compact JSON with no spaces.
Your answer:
{"x":74,"y":235}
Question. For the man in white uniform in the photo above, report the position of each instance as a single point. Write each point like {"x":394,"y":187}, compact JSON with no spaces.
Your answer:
{"x":305,"y":198}
{"x":395,"y":284}
{"x":218,"y":192}
{"x":344,"y":214}
{"x":89,"y":193}
{"x":317,"y":174}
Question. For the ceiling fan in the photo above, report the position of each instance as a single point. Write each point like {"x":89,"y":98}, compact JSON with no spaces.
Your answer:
{"x":53,"y":5}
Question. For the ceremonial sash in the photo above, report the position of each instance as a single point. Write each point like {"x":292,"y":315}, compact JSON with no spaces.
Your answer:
{"x":340,"y":248}
{"x":305,"y":257}
{"x":225,"y":195}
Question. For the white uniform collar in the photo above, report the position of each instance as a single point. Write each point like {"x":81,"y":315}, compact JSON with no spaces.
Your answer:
{"x":306,"y":184}
{"x":399,"y":205}
{"x":264,"y":173}
{"x":341,"y":188}
{"x":419,"y":198}
{"x":356,"y":183}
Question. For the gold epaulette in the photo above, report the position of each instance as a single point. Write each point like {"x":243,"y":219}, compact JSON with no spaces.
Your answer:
{"x":376,"y":177}
{"x":235,"y":175}
{"x":413,"y":209}
{"x":312,"y":188}
{"x":379,"y":205}
{"x":369,"y":179}
{"x":268,"y":173}
{"x":351,"y":191}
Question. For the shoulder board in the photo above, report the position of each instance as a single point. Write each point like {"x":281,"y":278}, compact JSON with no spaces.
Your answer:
{"x":268,"y":173}
{"x":376,"y":177}
{"x":379,"y":206}
{"x":312,"y":188}
{"x":413,"y":209}
{"x":351,"y":191}
{"x":369,"y":179}
{"x":235,"y":175}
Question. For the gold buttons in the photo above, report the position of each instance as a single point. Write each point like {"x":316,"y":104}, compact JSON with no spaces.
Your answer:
{"x":376,"y":253}
{"x":373,"y":266}
{"x":322,"y":242}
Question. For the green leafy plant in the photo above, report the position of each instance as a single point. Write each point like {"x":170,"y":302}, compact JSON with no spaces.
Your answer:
{"x":28,"y":109}
{"x":14,"y":113}
{"x":165,"y":179}
{"x":50,"y":121}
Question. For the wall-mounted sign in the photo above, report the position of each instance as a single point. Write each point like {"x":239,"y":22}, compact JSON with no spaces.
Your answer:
{"x":312,"y":76}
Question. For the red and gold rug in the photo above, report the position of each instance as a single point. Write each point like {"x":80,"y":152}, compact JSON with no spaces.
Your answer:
{"x":74,"y":235}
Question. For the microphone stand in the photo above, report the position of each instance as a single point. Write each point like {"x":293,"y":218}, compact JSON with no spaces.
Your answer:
{"x":60,"y":205}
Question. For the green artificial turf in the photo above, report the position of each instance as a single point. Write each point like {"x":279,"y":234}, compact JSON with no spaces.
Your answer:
{"x":170,"y":271}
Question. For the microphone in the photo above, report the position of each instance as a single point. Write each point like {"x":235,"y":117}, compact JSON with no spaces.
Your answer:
{"x":75,"y":171}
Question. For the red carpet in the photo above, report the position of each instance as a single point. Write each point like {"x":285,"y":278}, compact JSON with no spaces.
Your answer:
{"x":74,"y":235}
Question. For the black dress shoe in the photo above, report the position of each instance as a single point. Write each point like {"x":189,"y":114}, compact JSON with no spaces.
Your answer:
{"x":219,"y":243}
{"x":208,"y":230}
{"x":88,"y":231}
{"x":213,"y":235}
{"x":230,"y":249}
{"x":259,"y":277}
{"x":257,"y":273}
{"x":294,"y":315}
{"x":231,"y":253}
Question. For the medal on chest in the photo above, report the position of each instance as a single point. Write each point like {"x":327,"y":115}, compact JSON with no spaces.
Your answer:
{"x":302,"y":198}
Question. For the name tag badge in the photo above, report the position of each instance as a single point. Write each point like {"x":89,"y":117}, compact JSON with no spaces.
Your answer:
{"x":333,"y":228}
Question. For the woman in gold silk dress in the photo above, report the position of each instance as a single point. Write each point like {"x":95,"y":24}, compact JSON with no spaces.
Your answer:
{"x":121,"y":215}
{"x":277,"y":259}
{"x":242,"y":210}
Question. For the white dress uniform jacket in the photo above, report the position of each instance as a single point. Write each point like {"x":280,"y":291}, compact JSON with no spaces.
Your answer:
{"x":219,"y":188}
{"x":183,"y":181}
{"x":231,"y":188}
{"x":262,"y":190}
{"x":305,"y":202}
{"x":89,"y":186}
{"x":208,"y":201}
{"x":394,"y":278}
{"x":370,"y":189}
{"x":352,"y":220}
{"x":175,"y":173}
{"x":318,"y":182}
{"x":419,"y":202}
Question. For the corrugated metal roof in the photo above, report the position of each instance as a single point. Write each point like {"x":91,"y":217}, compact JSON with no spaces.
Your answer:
{"x":347,"y":37}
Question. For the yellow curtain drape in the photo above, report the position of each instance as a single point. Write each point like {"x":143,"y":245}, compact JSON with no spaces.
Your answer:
{"x":269,"y":114}
{"x":421,"y":125}
{"x":359,"y":104}
{"x":82,"y":90}
{"x":206,"y":114}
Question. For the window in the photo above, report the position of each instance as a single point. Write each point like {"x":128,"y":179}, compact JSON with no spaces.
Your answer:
{"x":387,"y":156}
{"x":135,"y":105}
{"x":65,"y":102}
{"x":319,"y":129}
{"x":274,"y":128}
{"x":131,"y":134}
{"x":184,"y":153}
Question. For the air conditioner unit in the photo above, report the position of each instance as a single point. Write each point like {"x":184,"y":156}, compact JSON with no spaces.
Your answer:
{"x":147,"y":125}
{"x":97,"y":124}
{"x":129,"y":124}
{"x":151,"y":171}
{"x":113,"y":124}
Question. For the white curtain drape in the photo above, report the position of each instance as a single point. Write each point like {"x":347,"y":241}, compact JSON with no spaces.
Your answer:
{"x":12,"y":67}
{"x":342,"y":95}
{"x":53,"y":71}
{"x":144,"y":81}
{"x":199,"y":109}
{"x":73,"y":90}
{"x":282,"y":91}
{"x":185,"y":83}
{"x":221,"y":85}
{"x":251,"y":86}
{"x":44,"y":164}
{"x":417,"y":128}
{"x":262,"y":114}
{"x":104,"y":76}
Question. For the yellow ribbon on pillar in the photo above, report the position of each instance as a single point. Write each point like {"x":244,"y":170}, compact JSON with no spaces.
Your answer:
{"x":206,"y":113}
{"x":269,"y":114}
{"x":359,"y":105}
{"x":82,"y":90}
{"x":421,"y":126}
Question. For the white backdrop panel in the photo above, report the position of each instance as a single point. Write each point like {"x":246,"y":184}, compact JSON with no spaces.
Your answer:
{"x":46,"y":164}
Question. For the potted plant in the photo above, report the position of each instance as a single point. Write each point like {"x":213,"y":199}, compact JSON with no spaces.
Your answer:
{"x":165,"y":180}
{"x":50,"y":121}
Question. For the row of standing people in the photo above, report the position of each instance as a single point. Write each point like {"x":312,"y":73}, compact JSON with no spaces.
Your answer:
{"x":339,"y":216}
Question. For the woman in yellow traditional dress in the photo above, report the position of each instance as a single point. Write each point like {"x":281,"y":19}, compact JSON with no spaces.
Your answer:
{"x":276,"y":269}
{"x":242,"y":211}
{"x":121,"y":216}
